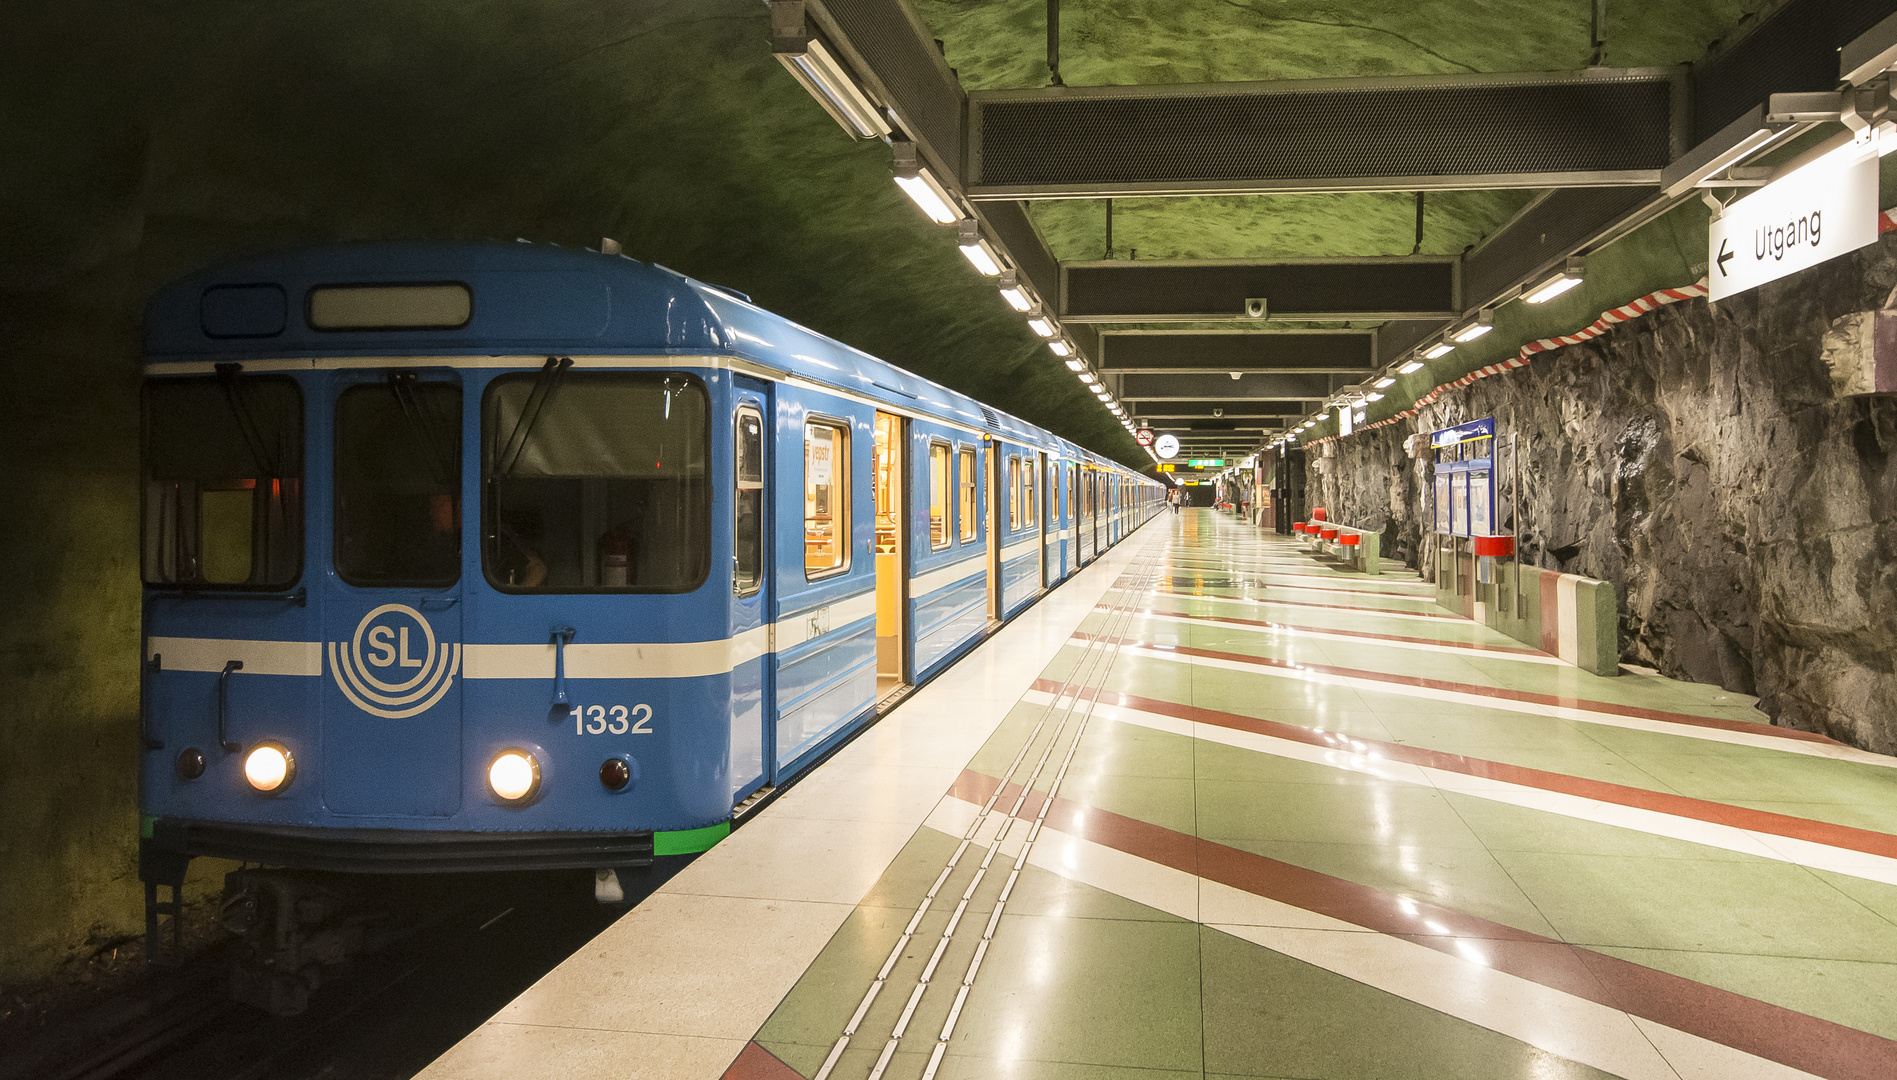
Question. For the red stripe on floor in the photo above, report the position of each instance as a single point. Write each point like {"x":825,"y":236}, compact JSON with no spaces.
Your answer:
{"x":1334,"y":607}
{"x":756,"y":1063}
{"x":1521,"y":650}
{"x":1739,"y":817}
{"x":1747,"y":1024}
{"x":1558,"y":700}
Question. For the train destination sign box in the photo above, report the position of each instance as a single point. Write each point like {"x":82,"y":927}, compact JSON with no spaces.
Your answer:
{"x":1817,"y":212}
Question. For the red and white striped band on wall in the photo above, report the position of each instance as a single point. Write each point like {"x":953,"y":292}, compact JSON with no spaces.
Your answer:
{"x":1886,"y":222}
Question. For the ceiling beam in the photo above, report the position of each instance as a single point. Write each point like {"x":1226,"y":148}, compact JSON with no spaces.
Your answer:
{"x":1284,"y":353}
{"x":1228,"y":409}
{"x":1400,"y":287}
{"x":1588,"y":128}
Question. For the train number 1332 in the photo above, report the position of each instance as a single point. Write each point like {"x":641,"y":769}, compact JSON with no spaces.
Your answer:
{"x":612,"y":720}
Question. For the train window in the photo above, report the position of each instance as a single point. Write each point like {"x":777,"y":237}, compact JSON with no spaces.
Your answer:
{"x":938,"y":496}
{"x":826,"y":499}
{"x":966,"y":464}
{"x":1073,"y":490}
{"x":596,"y":482}
{"x":747,"y":566}
{"x":398,"y":483}
{"x":1014,"y":493}
{"x":223,"y":483}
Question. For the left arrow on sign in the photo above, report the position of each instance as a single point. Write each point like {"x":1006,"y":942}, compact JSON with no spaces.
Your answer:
{"x":1724,"y":258}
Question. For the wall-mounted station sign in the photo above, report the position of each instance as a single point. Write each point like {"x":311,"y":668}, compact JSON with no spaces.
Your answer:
{"x":1143,"y":436}
{"x":1207,"y":463}
{"x":1166,"y":446}
{"x":1817,"y":212}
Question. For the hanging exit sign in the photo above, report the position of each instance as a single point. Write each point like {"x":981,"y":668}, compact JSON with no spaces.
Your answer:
{"x":1818,"y":212}
{"x":1207,"y":463}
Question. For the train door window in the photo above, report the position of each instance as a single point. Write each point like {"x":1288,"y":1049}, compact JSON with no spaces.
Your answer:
{"x":1014,"y":493}
{"x":596,"y":482}
{"x":826,"y":498}
{"x":938,"y":496}
{"x":1028,"y":489}
{"x":1073,"y":490}
{"x":398,"y":483}
{"x":966,"y":463}
{"x":223,"y":481}
{"x":747,"y":560}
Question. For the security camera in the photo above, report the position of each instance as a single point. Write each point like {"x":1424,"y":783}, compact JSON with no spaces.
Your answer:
{"x":1255,"y":306}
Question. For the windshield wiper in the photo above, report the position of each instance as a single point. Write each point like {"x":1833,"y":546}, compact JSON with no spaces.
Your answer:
{"x":440,"y":458}
{"x":544,"y":385}
{"x":231,"y":376}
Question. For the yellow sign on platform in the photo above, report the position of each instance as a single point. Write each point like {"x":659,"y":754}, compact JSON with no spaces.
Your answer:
{"x":1165,"y":466}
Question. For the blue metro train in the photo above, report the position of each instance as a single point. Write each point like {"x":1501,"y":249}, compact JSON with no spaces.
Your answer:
{"x":498,"y":556}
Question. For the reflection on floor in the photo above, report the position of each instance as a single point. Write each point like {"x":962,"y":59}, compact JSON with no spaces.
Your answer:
{"x":1302,"y":826}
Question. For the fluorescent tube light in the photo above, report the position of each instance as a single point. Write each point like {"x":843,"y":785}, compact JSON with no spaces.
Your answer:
{"x":1087,"y":377}
{"x":1013,"y":293}
{"x":978,"y":251}
{"x":1042,"y":325}
{"x":1410,"y":368}
{"x":1384,"y":382}
{"x":828,"y":82}
{"x":1373,"y":396}
{"x":1549,"y":288}
{"x":1076,"y":364}
{"x":922,"y":186}
{"x":1484,"y":322}
{"x":1059,"y":347}
{"x":1438,"y":350}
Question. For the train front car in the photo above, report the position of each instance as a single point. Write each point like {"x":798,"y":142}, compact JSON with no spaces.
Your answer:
{"x":440,"y":570}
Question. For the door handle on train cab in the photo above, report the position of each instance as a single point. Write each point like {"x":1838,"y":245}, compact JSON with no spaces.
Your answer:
{"x":224,"y":704}
{"x":562,"y":636}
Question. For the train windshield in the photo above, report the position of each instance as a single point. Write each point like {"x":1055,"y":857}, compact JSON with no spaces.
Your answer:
{"x":596,"y":481}
{"x":398,"y":483}
{"x":223,"y":481}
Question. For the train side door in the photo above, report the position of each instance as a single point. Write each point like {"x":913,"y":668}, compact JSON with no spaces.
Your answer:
{"x":824,"y":676}
{"x":399,"y":541}
{"x":752,"y":592}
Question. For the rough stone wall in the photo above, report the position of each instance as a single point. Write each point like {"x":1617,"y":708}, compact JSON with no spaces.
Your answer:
{"x":1699,"y":459}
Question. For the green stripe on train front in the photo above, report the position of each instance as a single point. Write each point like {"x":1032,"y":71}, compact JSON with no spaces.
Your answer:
{"x":689,"y":841}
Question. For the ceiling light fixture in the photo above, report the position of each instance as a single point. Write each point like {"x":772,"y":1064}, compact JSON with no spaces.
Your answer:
{"x":811,"y":63}
{"x":1041,"y":325}
{"x":1087,"y":377}
{"x":1060,"y":348}
{"x":1076,"y":364}
{"x":1410,"y":368}
{"x":1484,"y":322}
{"x":1385,"y":382}
{"x":1438,"y":350}
{"x":978,"y":251}
{"x":1566,"y":278}
{"x":1013,"y":293}
{"x":1373,"y":397}
{"x":921,"y":185}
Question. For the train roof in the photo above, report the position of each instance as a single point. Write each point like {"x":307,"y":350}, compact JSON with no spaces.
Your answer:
{"x":530,"y":299}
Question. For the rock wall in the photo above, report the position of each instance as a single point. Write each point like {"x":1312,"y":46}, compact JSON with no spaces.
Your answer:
{"x":1700,"y":459}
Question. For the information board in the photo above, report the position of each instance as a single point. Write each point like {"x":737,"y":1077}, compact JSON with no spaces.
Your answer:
{"x":1442,"y":503}
{"x":1481,"y":496}
{"x":1459,"y":503}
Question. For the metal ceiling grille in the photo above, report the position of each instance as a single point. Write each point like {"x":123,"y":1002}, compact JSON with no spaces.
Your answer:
{"x":1132,"y":291}
{"x":1234,"y":352}
{"x":1543,"y":233}
{"x":1793,"y":48}
{"x":1483,"y":126}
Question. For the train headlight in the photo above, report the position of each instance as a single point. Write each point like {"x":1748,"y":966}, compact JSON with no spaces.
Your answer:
{"x":514,"y":776}
{"x":269,"y":767}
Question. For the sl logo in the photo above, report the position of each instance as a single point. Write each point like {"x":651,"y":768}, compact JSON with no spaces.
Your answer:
{"x":390,"y":632}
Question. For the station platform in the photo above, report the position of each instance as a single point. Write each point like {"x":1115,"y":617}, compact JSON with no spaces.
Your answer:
{"x":1216,"y":808}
